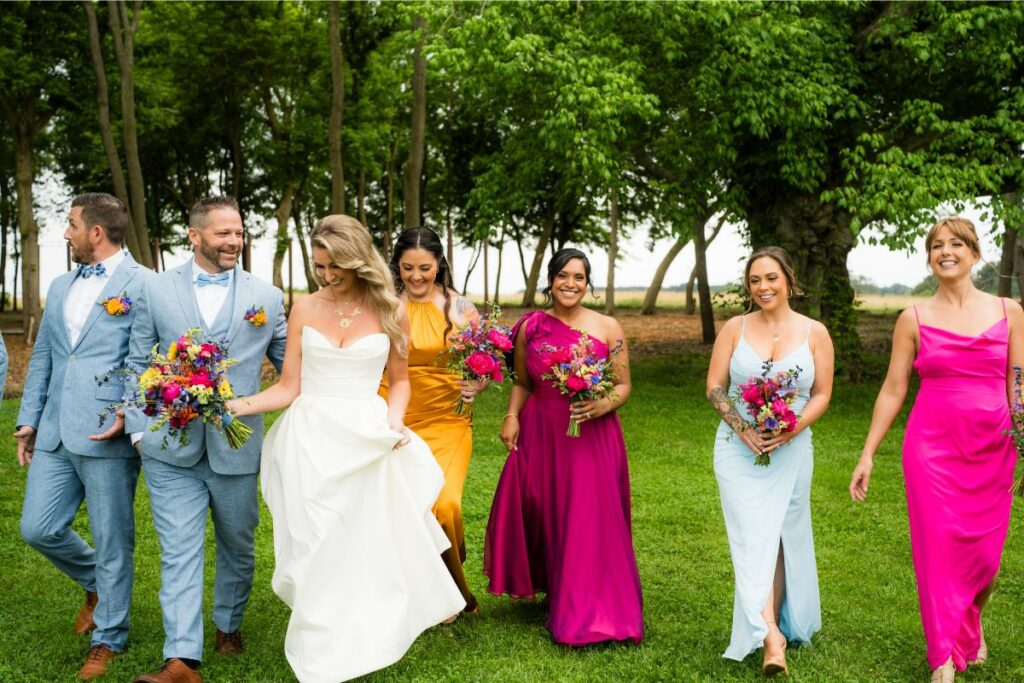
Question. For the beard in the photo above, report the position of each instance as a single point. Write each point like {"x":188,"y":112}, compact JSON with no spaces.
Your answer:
{"x":82,"y":254}
{"x":214,"y":256}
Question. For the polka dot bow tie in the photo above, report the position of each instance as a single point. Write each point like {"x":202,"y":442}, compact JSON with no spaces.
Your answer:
{"x":86,"y":271}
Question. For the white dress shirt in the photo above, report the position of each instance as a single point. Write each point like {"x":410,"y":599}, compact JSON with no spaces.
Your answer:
{"x":210,"y":298}
{"x":84,"y":294}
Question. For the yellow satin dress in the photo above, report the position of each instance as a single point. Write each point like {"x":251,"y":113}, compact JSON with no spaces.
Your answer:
{"x":431,"y":414}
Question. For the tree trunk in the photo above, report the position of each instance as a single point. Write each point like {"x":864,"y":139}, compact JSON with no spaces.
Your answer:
{"x":486,"y":248}
{"x":123,"y":29}
{"x":469,"y":271}
{"x":300,"y":235}
{"x":337,"y":109}
{"x":529,"y":294}
{"x":707,"y":314}
{"x":450,"y":234}
{"x":691,"y":303}
{"x":819,"y":238}
{"x":17,"y":271}
{"x":497,"y":276}
{"x":414,"y":167}
{"x":29,"y":230}
{"x":613,"y":253}
{"x":390,"y":228}
{"x":651,"y":296}
{"x":283,"y":213}
{"x":1006,"y":261}
{"x":106,"y":130}
{"x":6,"y":226}
{"x":362,"y":196}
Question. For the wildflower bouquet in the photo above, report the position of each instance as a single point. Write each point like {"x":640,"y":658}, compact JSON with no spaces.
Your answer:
{"x":769,"y":400}
{"x":477,"y":350}
{"x":579,"y":373}
{"x":1016,"y":430}
{"x":188,"y":382}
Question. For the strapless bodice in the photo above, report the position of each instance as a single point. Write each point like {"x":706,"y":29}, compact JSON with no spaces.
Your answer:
{"x":351,"y":372}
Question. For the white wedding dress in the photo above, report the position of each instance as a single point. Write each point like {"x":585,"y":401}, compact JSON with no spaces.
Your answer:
{"x":358,"y":552}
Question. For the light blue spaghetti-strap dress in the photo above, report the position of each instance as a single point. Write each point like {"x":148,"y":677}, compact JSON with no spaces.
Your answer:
{"x":762,"y":505}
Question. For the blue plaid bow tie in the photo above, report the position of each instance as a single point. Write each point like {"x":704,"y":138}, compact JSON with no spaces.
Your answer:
{"x":86,"y":271}
{"x":220,"y":279}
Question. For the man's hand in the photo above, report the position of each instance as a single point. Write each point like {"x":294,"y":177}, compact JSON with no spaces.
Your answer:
{"x":116,"y":429}
{"x":26,"y":437}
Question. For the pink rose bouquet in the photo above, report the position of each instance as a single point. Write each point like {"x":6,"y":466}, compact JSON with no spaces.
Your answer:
{"x":579,"y":373}
{"x":1016,"y":431}
{"x":768,"y":399}
{"x":186,"y":383}
{"x":477,"y":350}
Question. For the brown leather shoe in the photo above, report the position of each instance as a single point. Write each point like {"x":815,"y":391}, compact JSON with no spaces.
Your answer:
{"x":229,"y":643}
{"x":96,"y":662}
{"x":84,"y":622}
{"x":173,"y":671}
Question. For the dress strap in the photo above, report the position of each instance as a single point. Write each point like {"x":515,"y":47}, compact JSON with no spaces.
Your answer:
{"x":743,"y":324}
{"x":916,"y":316}
{"x":807,"y":336}
{"x":1002,"y":300}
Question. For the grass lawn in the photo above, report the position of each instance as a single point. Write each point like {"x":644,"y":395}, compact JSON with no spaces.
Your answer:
{"x":871,"y":627}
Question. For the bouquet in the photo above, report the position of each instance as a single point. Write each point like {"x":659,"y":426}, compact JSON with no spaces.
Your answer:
{"x":579,"y":373}
{"x":769,"y":400}
{"x":1016,"y":431}
{"x":477,"y":350}
{"x":188,"y":382}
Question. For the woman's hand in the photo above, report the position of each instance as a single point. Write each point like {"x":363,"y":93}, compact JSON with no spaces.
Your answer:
{"x":861,"y":477}
{"x":752,"y":439}
{"x":471,"y":387}
{"x":401,"y":429}
{"x":770,"y":443}
{"x":581,"y":411}
{"x":509,"y":433}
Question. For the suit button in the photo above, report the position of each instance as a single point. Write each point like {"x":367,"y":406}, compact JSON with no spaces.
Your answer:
{"x":71,"y":357}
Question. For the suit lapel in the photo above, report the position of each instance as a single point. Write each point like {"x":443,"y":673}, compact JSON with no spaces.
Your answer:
{"x":243,"y":295}
{"x":186,"y":296}
{"x":118,"y":281}
{"x":60,"y":294}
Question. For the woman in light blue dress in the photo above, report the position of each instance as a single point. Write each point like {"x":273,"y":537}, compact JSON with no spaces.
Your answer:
{"x":767,"y":508}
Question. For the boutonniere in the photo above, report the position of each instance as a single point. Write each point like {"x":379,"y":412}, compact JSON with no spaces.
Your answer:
{"x":256,"y":317}
{"x":116,"y":305}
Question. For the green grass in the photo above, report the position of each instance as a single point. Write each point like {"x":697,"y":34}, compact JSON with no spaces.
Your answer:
{"x":871,"y":627}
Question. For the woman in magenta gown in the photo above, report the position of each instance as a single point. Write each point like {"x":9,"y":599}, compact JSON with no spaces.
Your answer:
{"x":958,"y":460}
{"x":560,"y":523}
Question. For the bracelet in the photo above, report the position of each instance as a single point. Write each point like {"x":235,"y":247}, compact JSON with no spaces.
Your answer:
{"x":512,"y":415}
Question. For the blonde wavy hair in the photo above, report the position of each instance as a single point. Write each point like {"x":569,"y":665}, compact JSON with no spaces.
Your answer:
{"x":350,"y":246}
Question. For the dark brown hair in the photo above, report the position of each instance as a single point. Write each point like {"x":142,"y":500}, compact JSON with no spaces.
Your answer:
{"x":202,"y":208}
{"x":106,"y":211}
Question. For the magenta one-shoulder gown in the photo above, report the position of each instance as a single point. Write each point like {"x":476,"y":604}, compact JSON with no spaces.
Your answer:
{"x":560,"y":522}
{"x":958,"y":465}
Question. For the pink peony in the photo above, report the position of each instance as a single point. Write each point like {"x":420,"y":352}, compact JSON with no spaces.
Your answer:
{"x":559,"y":356}
{"x":480,"y":363}
{"x":751,"y":393}
{"x":575,"y":383}
{"x":779,"y":407}
{"x":206,"y":350}
{"x":791,"y":419}
{"x":201,"y":379}
{"x":500,"y":341}
{"x":171,"y":392}
{"x":497,"y":376}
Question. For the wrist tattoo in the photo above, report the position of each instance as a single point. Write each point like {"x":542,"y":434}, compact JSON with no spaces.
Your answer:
{"x":720,"y":402}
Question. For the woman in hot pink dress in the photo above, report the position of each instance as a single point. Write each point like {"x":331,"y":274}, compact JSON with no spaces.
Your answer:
{"x":958,"y":461}
{"x":560,"y":521}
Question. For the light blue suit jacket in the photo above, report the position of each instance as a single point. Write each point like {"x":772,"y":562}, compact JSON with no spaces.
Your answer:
{"x":169,"y":309}
{"x":62,"y":398}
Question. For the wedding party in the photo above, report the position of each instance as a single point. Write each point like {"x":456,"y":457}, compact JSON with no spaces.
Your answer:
{"x":540,"y":341}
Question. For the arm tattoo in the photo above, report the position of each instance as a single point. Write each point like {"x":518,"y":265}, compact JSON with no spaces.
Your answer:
{"x":463,"y":307}
{"x":721,"y":403}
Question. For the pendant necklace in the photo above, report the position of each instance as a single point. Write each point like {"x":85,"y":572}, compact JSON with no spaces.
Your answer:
{"x":345,"y":319}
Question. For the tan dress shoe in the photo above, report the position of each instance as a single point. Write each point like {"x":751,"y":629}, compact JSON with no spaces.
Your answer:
{"x":96,"y":662}
{"x":173,"y":671}
{"x":84,"y":622}
{"x":229,"y":643}
{"x":774,"y":659}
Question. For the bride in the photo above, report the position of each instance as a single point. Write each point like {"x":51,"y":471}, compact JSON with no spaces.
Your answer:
{"x":350,"y":489}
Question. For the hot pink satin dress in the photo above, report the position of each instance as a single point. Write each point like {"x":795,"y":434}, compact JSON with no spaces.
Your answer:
{"x":560,"y":522}
{"x":958,"y":464}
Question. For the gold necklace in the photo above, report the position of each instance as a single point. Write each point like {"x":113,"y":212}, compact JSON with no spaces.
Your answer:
{"x":345,"y":319}
{"x":775,"y":335}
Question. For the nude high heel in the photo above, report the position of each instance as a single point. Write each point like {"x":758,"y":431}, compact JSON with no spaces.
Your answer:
{"x":774,"y":657}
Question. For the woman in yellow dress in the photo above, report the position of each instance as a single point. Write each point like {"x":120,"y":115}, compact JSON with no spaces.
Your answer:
{"x":424,"y":283}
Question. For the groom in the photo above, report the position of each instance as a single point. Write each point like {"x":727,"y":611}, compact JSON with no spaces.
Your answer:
{"x":84,"y":333}
{"x":210,"y":292}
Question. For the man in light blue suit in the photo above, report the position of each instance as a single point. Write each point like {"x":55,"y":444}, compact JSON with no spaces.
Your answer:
{"x":84,"y":334}
{"x":212,"y":293}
